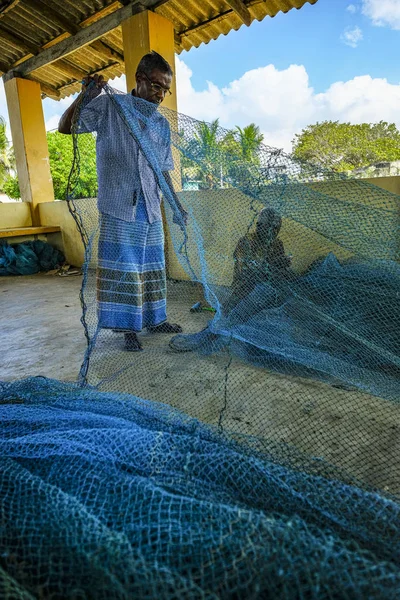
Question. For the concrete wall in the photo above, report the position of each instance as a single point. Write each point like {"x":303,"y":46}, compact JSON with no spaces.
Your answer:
{"x":57,"y":213}
{"x":15,"y":214}
{"x":224,"y":216}
{"x":352,"y":217}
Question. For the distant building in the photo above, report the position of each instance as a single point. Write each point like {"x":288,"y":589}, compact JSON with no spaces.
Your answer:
{"x":381,"y":169}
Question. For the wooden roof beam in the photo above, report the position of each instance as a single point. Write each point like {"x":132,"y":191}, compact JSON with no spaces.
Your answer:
{"x":9,"y":7}
{"x":241,"y":10}
{"x":72,"y":83}
{"x":4,"y":67}
{"x":82,"y":38}
{"x":49,"y":90}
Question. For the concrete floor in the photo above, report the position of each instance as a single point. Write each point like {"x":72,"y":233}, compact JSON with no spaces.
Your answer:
{"x":41,"y":333}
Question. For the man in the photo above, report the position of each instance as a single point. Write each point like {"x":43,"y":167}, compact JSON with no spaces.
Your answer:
{"x":259,"y":257}
{"x":131,"y":274}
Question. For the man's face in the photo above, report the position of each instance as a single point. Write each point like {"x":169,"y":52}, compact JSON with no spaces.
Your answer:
{"x":153,"y":87}
{"x":268,"y":230}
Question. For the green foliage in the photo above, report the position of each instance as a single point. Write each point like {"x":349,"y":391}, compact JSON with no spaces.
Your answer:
{"x":61,"y":156}
{"x":343,"y":147}
{"x":11,"y":187}
{"x":250,"y":140}
{"x":5,"y":158}
{"x":221,"y":157}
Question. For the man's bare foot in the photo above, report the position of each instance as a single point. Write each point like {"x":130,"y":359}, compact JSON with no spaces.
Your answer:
{"x":132,"y":343}
{"x":165,"y":328}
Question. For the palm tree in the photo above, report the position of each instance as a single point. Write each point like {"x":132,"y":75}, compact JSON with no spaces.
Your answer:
{"x":250,"y":139}
{"x":218,"y":161}
{"x":203,"y":154}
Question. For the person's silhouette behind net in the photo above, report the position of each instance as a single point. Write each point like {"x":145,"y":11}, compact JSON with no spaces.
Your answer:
{"x":259,"y":257}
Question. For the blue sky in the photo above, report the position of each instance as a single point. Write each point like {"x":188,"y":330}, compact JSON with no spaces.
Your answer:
{"x":311,"y":37}
{"x":337,"y":59}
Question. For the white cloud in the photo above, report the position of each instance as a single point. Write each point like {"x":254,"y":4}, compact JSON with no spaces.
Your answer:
{"x":352,"y":36}
{"x":52,"y":123}
{"x":352,"y":8}
{"x":119,"y":83}
{"x":282,"y":102}
{"x":383,"y":12}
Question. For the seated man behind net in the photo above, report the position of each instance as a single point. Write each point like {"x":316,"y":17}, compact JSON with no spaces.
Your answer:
{"x":259,"y":257}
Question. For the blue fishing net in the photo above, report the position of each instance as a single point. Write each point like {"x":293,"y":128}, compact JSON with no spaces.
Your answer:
{"x":28,"y":258}
{"x":111,"y":496}
{"x":255,"y":454}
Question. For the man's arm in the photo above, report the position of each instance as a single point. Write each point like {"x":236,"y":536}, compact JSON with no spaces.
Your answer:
{"x":239,"y":261}
{"x":65,"y":124}
{"x":168,"y":179}
{"x":277,"y":256}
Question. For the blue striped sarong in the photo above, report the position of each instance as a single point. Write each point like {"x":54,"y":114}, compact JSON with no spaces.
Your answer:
{"x":131,"y":282}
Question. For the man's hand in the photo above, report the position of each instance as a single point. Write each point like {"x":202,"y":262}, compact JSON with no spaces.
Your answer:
{"x":65,"y":123}
{"x":97,"y":80}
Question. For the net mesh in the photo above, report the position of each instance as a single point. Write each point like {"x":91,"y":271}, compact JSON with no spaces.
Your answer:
{"x":255,"y":453}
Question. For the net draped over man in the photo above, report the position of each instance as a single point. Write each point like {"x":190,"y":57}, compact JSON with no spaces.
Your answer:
{"x":131,"y":275}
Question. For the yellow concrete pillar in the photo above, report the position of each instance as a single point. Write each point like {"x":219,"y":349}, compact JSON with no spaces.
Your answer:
{"x":145,"y":32}
{"x":29,"y":142}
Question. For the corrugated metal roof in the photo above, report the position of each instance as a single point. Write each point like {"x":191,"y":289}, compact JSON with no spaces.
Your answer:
{"x":29,"y":26}
{"x":200,"y":22}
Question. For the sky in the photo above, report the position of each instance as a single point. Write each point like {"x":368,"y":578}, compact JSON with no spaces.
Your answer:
{"x":336,"y":59}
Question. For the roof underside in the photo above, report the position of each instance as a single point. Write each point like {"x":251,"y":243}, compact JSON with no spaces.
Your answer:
{"x":29,"y":27}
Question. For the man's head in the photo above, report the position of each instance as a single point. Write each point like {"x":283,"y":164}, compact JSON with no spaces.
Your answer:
{"x":153,"y":78}
{"x":269,"y":224}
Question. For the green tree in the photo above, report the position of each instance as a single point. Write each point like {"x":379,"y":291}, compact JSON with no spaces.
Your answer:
{"x":343,"y":146}
{"x":5,"y":155}
{"x":250,"y":139}
{"x":204,"y":155}
{"x":61,"y":155}
{"x":221,"y":160}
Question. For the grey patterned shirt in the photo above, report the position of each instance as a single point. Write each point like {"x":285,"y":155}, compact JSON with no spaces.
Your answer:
{"x":122,"y":170}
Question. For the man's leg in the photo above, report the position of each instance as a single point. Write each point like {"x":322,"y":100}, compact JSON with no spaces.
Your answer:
{"x":132,"y":343}
{"x":119,"y":278}
{"x":155,"y":284}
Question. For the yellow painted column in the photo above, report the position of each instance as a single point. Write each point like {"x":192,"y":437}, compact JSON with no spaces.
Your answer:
{"x":145,"y":32}
{"x":28,"y":133}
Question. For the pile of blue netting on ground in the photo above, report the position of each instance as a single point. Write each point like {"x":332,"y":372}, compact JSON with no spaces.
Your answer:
{"x":106,"y":496}
{"x":28,"y":258}
{"x":308,"y":329}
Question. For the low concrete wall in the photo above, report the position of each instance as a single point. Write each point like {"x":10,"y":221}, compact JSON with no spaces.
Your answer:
{"x":15,"y":214}
{"x":223,"y":217}
{"x":57,"y":213}
{"x":347,"y":215}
